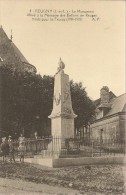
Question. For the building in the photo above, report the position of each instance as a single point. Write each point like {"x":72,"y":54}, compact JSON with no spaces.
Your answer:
{"x":11,"y":56}
{"x":110,"y":118}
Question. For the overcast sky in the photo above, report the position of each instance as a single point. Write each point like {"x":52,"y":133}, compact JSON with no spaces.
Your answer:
{"x":93,"y":51}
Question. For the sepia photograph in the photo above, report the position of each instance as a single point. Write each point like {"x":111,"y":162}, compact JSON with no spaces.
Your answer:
{"x":62,"y":97}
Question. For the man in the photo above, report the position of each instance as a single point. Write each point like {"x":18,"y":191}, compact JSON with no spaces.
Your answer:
{"x":4,"y":148}
{"x":21,"y":148}
{"x":11,"y":150}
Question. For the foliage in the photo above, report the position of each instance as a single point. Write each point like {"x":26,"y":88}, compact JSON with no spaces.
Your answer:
{"x":83,"y":106}
{"x":26,"y":101}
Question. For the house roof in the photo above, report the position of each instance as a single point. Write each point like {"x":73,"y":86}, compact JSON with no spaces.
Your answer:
{"x":118,"y":105}
{"x":18,"y":53}
{"x":10,"y":54}
{"x":98,"y":101}
{"x":7,"y":47}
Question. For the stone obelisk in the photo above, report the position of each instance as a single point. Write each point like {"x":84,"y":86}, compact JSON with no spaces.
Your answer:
{"x":62,"y":116}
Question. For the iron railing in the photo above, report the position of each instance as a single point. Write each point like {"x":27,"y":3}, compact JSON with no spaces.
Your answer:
{"x":57,"y":146}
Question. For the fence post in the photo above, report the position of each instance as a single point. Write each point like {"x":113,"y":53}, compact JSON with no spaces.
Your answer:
{"x":100,"y":146}
{"x":92,"y":148}
{"x":36,"y":146}
{"x":109,"y":150}
{"x":52,"y":145}
{"x":26,"y":147}
{"x":124,"y":148}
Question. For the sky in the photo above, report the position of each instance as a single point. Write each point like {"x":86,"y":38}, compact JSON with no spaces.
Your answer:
{"x":93,"y":51}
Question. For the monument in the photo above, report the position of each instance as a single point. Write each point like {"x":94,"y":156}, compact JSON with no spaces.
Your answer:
{"x":62,"y":124}
{"x":62,"y":116}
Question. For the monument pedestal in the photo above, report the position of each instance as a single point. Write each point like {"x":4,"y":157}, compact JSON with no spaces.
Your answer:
{"x":62,"y":127}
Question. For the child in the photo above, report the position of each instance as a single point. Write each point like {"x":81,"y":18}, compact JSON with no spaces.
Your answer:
{"x":21,"y":150}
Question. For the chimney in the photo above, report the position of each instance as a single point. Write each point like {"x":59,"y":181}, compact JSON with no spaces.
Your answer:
{"x":104,"y":93}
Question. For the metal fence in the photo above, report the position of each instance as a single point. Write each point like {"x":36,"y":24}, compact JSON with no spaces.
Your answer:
{"x":57,"y":146}
{"x":33,"y":146}
{"x":52,"y":146}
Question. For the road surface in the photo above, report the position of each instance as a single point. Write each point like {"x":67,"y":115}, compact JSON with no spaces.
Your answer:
{"x":10,"y":186}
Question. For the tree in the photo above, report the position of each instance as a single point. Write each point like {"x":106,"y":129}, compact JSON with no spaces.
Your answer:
{"x":26,"y":101}
{"x":83,"y":106}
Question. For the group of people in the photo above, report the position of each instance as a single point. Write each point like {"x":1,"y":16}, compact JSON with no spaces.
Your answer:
{"x":8,"y":148}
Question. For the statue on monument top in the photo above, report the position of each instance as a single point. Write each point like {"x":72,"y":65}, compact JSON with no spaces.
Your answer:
{"x":61,"y":66}
{"x":105,"y":88}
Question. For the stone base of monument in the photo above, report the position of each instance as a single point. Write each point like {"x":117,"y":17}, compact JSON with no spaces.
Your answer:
{"x":65,"y":162}
{"x":56,"y":148}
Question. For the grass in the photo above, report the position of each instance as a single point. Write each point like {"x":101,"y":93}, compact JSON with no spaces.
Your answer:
{"x":105,"y":179}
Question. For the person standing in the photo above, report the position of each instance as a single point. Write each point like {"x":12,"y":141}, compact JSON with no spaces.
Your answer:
{"x":21,"y":139}
{"x":9,"y":139}
{"x":4,"y":148}
{"x":21,"y":148}
{"x":11,"y":150}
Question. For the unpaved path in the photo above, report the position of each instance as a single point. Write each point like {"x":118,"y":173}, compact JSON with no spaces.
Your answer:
{"x":9,"y":186}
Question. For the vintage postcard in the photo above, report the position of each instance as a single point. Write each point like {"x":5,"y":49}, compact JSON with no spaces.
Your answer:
{"x":62,"y":97}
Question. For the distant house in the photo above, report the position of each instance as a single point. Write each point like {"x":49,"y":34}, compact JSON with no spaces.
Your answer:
{"x":110,"y":116}
{"x":11,"y":56}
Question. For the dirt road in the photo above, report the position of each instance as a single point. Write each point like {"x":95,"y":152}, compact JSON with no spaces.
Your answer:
{"x":10,"y":186}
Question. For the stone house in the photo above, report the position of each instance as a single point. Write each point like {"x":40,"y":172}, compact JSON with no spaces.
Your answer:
{"x":110,"y":117}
